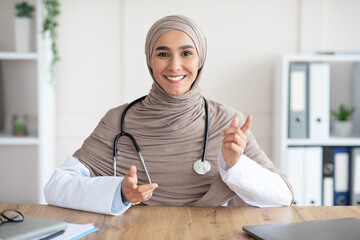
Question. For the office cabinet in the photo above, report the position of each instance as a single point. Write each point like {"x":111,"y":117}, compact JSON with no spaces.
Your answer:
{"x":297,"y":96}
{"x":27,"y":96}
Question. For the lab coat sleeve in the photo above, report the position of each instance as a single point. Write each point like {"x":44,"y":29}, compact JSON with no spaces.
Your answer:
{"x":72,"y":187}
{"x":255,"y":184}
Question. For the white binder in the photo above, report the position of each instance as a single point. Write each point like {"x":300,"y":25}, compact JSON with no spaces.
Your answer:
{"x":319,"y":88}
{"x":313,"y":176}
{"x":355,"y":179}
{"x":295,"y":173}
{"x":298,"y":101}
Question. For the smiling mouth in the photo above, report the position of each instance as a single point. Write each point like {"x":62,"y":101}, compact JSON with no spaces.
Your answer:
{"x":175,"y":78}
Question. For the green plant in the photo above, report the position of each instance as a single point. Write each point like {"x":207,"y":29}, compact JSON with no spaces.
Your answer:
{"x":24,"y":9}
{"x":19,"y":127}
{"x":343,"y":114}
{"x":49,"y":25}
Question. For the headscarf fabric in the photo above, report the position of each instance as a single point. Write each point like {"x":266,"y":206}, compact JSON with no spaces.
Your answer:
{"x":170,"y":131}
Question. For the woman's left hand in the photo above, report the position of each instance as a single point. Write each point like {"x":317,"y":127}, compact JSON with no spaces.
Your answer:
{"x":234,"y":142}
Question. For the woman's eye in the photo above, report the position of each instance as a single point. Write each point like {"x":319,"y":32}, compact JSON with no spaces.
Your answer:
{"x":187,"y":53}
{"x":163,"y":55}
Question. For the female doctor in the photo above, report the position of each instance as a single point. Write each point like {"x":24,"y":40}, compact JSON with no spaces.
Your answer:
{"x":175,"y":147}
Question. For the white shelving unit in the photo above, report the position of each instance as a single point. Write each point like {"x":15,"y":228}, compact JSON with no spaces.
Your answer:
{"x":26,"y":162}
{"x":6,"y":138}
{"x":18,"y":56}
{"x":280,"y":124}
{"x":301,"y":169}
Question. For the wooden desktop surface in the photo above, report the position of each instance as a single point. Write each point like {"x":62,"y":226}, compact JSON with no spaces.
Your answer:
{"x":141,"y":222}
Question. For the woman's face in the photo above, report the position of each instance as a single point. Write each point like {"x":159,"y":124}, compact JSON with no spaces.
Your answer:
{"x":175,"y":62}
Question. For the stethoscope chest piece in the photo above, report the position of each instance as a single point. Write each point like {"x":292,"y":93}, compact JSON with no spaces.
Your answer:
{"x":202,"y":167}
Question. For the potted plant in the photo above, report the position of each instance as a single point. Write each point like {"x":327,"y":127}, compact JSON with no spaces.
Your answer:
{"x":343,"y":127}
{"x":24,"y":27}
{"x":20,"y":125}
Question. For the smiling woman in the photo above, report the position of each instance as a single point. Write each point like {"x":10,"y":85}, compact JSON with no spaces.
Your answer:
{"x":197,"y":151}
{"x":175,"y":62}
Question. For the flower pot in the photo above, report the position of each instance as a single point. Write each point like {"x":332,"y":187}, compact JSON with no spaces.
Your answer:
{"x":343,"y":128}
{"x":20,"y":125}
{"x":23,"y":34}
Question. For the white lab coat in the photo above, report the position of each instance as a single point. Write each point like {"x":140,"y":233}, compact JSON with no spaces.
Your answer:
{"x":72,"y":187}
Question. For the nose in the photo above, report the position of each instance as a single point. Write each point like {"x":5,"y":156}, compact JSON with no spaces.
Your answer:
{"x":175,"y":64}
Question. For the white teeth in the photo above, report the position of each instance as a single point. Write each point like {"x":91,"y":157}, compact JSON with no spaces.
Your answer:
{"x":175,"y":78}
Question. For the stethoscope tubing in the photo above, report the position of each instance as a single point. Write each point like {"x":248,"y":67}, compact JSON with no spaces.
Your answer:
{"x":137,"y":148}
{"x":206,"y":130}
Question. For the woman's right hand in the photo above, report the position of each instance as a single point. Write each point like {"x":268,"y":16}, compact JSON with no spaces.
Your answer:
{"x":132,"y":192}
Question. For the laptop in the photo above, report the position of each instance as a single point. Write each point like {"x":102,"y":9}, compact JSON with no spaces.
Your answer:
{"x":31,"y":227}
{"x":333,"y":229}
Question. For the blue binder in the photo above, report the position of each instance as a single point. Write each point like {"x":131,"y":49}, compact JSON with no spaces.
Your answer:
{"x":355,"y":176}
{"x":341,"y":176}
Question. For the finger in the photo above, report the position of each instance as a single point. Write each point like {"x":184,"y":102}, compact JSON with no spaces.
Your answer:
{"x":232,"y":130}
{"x":130,"y":180}
{"x":233,"y":127}
{"x":234,"y":122}
{"x":132,"y":172}
{"x":131,"y":183}
{"x":133,"y":176}
{"x":237,"y":142}
{"x":139,"y":199}
{"x":233,"y":138}
{"x":246,"y":125}
{"x":139,"y":196}
{"x":240,"y":143}
{"x":147,"y":187}
{"x":146,"y":194}
{"x":233,"y":147}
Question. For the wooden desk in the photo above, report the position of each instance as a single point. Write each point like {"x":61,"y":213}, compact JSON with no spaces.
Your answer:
{"x":183,"y":223}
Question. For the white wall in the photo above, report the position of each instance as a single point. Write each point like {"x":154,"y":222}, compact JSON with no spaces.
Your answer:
{"x":88,"y":74}
{"x":101,"y":44}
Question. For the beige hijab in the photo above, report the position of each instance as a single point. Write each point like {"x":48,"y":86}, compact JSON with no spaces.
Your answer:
{"x":170,"y":132}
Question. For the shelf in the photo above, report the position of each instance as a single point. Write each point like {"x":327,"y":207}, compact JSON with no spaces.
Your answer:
{"x":303,"y":159}
{"x":26,"y":90}
{"x":9,"y":139}
{"x":322,"y":58}
{"x":18,"y":56}
{"x":332,"y":141}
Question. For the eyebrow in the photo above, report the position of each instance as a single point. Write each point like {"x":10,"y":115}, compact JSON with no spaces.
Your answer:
{"x":167,"y":48}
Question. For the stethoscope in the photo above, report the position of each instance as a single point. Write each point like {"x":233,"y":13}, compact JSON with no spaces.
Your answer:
{"x":200,"y":166}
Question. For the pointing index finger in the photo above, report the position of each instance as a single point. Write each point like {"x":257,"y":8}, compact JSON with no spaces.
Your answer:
{"x":247,"y":124}
{"x":147,"y":187}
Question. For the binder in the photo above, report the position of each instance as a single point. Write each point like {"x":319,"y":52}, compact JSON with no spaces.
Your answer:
{"x":319,"y":88}
{"x":328,"y":176}
{"x":355,"y":176}
{"x":313,"y":176}
{"x":341,"y":176}
{"x":295,"y":173}
{"x":356,"y":100}
{"x":298,"y":101}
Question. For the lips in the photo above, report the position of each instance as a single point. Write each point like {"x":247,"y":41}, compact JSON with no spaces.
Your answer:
{"x":175,"y":78}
